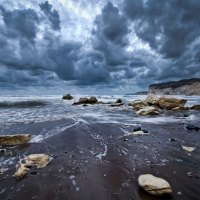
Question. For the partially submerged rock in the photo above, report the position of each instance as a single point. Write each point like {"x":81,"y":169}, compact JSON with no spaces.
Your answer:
{"x":154,"y":185}
{"x":138,"y":133}
{"x":67,"y":97}
{"x":118,"y":101}
{"x":188,"y":149}
{"x":195,"y":107}
{"x":148,"y":110}
{"x":33,"y":160}
{"x":138,"y":105}
{"x":8,"y":140}
{"x":167,"y":102}
{"x":85,"y":100}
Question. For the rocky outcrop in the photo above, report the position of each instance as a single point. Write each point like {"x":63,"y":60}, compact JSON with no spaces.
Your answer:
{"x":148,"y":110}
{"x":67,"y":97}
{"x":7,"y":140}
{"x":154,"y":185}
{"x":33,"y":160}
{"x":85,"y":100}
{"x":167,"y":102}
{"x":195,"y":107}
{"x":152,"y":100}
{"x":182,"y":87}
{"x":181,"y":108}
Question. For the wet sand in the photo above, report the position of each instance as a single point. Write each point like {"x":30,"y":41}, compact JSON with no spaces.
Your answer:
{"x":91,"y":161}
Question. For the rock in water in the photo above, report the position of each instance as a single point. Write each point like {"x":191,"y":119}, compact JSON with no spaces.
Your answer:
{"x":67,"y":97}
{"x":85,"y":100}
{"x":33,"y":160}
{"x":148,"y":110}
{"x":154,"y":185}
{"x":182,"y":108}
{"x":195,"y":107}
{"x":7,"y":140}
{"x":170,"y":102}
{"x":118,"y":101}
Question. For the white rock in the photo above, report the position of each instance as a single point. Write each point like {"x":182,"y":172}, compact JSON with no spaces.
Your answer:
{"x":137,"y":133}
{"x":189,"y":149}
{"x":154,"y":185}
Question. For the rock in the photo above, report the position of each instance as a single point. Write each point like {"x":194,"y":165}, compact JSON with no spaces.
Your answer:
{"x":67,"y":97}
{"x":192,"y":127}
{"x":182,"y":108}
{"x":145,"y":131}
{"x":138,"y":104}
{"x":154,"y":185}
{"x":118,"y":101}
{"x":152,"y":100}
{"x":7,"y":140}
{"x":85,"y":100}
{"x":92,"y":100}
{"x":137,"y":129}
{"x":33,"y":160}
{"x":148,"y":110}
{"x":116,"y":105}
{"x":168,"y":103}
{"x":138,"y":133}
{"x":195,"y":107}
{"x":189,"y":149}
{"x":172,"y":140}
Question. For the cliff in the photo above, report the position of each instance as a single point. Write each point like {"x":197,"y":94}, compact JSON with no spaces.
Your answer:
{"x":182,"y":87}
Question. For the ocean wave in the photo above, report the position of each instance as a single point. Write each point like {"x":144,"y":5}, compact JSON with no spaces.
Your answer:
{"x":22,"y":104}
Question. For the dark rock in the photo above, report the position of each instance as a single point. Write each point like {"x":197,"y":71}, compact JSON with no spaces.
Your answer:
{"x":192,"y":127}
{"x":137,"y":129}
{"x":195,"y":107}
{"x":85,"y":100}
{"x":172,"y":140}
{"x":116,"y":105}
{"x":145,"y":130}
{"x":67,"y":97}
{"x":185,"y":115}
{"x":125,"y":139}
{"x":118,"y":101}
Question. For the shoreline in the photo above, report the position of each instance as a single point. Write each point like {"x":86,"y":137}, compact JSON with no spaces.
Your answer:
{"x":91,"y":162}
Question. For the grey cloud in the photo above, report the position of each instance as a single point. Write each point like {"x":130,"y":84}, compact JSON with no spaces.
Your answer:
{"x":52,"y":14}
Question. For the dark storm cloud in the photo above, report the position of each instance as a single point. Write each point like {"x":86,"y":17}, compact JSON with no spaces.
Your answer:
{"x":52,"y":14}
{"x":168,"y":26}
{"x":20,"y":23}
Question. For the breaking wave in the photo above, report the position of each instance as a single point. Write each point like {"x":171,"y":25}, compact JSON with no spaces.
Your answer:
{"x":22,"y":104}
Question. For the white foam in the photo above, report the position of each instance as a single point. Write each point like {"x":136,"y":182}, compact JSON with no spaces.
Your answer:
{"x":100,"y":155}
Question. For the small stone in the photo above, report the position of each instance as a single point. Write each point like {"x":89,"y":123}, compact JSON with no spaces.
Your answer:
{"x":125,"y":139}
{"x":179,"y":193}
{"x":172,"y":140}
{"x":118,"y":101}
{"x":145,"y":131}
{"x":188,"y":149}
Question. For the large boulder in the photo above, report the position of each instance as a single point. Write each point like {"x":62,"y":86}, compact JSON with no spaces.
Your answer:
{"x":152,"y":100}
{"x":138,"y":104}
{"x":148,"y":110}
{"x":67,"y":97}
{"x":85,"y":100}
{"x":168,"y":103}
{"x":7,"y":140}
{"x":154,"y":185}
{"x":195,"y":107}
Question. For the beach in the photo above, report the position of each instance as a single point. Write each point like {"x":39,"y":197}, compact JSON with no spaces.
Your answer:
{"x":92,"y":155}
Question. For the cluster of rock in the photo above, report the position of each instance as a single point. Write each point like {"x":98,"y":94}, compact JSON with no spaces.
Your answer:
{"x":85,"y":100}
{"x":153,"y":105}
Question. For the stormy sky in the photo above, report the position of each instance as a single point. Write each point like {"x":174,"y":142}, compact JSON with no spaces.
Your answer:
{"x":96,"y":46}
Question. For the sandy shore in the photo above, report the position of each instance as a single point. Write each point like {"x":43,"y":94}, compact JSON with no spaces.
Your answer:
{"x":91,"y":162}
